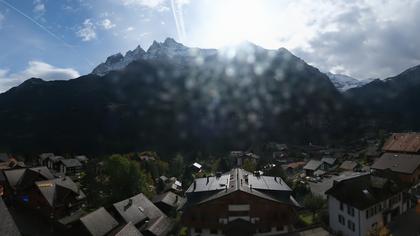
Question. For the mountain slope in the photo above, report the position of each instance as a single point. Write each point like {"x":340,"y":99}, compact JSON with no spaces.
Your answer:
{"x":176,"y":100}
{"x":391,"y":103}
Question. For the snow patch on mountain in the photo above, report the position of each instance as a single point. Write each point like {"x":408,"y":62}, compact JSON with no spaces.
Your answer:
{"x":345,"y":82}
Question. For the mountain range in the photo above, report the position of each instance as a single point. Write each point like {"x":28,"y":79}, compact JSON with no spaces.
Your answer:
{"x":345,"y":82}
{"x":175,"y":98}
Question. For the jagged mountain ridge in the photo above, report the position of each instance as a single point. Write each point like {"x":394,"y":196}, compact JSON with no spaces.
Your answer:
{"x":207,"y":101}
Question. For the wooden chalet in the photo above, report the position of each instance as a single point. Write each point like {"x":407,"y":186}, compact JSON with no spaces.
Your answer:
{"x":239,"y":203}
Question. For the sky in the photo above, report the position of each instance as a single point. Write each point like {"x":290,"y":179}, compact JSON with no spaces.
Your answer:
{"x":67,"y":38}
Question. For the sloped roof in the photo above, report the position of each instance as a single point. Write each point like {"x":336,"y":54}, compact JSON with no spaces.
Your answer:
{"x":48,"y":188}
{"x":81,"y":158}
{"x":312,"y":165}
{"x":7,"y":224}
{"x":160,"y":226}
{"x":401,"y":163}
{"x":170,"y":199}
{"x":99,"y":222}
{"x":71,"y":162}
{"x":137,"y":209}
{"x":403,"y":142}
{"x":366,"y":190}
{"x":15,"y":176}
{"x":348,"y":165}
{"x":128,"y":230}
{"x":329,"y":160}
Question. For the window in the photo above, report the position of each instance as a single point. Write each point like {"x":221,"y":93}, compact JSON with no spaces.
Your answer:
{"x":350,"y":210}
{"x":351,"y":225}
{"x":264,"y":230}
{"x":341,"y":219}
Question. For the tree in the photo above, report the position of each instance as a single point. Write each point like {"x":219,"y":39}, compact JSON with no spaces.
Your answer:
{"x":249,"y":165}
{"x":313,"y":203}
{"x":124,"y":179}
{"x":177,"y":166}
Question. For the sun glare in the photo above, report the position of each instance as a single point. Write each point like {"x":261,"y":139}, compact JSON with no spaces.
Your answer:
{"x":238,"y":20}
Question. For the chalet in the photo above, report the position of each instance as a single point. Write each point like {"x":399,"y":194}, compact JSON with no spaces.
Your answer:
{"x":293,"y":168}
{"x":406,"y":166}
{"x":312,"y":166}
{"x":360,"y":204}
{"x":350,"y":166}
{"x":53,"y":162}
{"x":11,"y":163}
{"x":168,"y":202}
{"x":196,"y":167}
{"x":20,"y":183}
{"x":241,"y":156}
{"x":98,"y":223}
{"x":329,"y":163}
{"x":403,"y":143}
{"x":70,"y":167}
{"x":239,"y":203}
{"x":58,"y":197}
{"x":7,"y":224}
{"x":82,"y":159}
{"x":166,"y":184}
{"x":143,"y":214}
{"x":43,"y":158}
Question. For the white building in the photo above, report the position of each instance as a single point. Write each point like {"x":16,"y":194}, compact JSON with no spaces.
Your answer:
{"x":360,"y":204}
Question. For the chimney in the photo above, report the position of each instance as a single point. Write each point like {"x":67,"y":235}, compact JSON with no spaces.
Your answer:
{"x":129,"y":203}
{"x":195,"y":185}
{"x":176,"y":198}
{"x":250,"y":187}
{"x":241,"y":181}
{"x":208,"y":179}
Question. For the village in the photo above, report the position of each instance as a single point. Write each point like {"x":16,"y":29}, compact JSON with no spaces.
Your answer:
{"x":368,"y":189}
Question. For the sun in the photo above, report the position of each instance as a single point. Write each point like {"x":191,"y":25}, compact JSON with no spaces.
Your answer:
{"x":235,"y":21}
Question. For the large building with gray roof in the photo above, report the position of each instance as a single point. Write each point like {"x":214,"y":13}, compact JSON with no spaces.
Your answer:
{"x":240,"y":203}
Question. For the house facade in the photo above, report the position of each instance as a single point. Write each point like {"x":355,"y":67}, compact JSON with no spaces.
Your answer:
{"x":373,"y":202}
{"x":239,"y":203}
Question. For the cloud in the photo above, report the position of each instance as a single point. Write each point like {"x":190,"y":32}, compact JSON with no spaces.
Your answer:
{"x":366,"y":39}
{"x":107,"y":24}
{"x":159,"y":5}
{"x":39,"y":8}
{"x":87,"y":31}
{"x":35,"y":69}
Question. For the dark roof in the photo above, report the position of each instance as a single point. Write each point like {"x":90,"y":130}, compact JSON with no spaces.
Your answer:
{"x":266,"y":187}
{"x":348,"y":165}
{"x":16,"y":176}
{"x":55,"y":158}
{"x":315,"y":231}
{"x":329,"y":160}
{"x":403,"y":142}
{"x":127,"y":230}
{"x":99,"y":222}
{"x":170,"y":199}
{"x":312,"y":165}
{"x":137,"y":209}
{"x":401,"y":163}
{"x":71,"y":163}
{"x":49,"y":189}
{"x":159,"y":226}
{"x":366,"y":190}
{"x":7,"y":224}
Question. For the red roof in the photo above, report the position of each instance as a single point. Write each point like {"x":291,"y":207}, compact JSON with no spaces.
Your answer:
{"x":403,"y":142}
